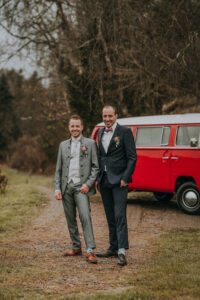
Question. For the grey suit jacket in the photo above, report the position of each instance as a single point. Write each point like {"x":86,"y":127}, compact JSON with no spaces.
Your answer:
{"x":89,"y":165}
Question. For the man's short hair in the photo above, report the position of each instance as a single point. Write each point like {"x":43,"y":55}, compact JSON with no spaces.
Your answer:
{"x":75,"y":117}
{"x":110,"y":105}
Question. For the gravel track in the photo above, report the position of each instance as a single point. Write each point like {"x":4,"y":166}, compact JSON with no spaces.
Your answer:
{"x":42,"y":243}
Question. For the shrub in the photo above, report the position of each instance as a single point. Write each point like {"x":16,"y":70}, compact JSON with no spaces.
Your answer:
{"x":3,"y":183}
{"x":27,"y":155}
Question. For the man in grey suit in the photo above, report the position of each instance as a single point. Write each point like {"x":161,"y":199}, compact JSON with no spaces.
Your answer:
{"x":76,"y":171}
{"x":117,"y":163}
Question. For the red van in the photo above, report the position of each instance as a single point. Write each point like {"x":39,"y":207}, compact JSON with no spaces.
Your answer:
{"x":168,"y":150}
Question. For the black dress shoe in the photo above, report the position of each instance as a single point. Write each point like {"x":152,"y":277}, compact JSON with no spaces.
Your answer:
{"x":122,"y":260}
{"x":107,"y":253}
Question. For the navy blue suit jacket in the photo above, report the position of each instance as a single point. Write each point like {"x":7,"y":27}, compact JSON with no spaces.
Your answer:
{"x":120,"y":159}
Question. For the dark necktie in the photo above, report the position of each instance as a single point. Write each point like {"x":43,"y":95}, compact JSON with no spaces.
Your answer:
{"x":109,"y":129}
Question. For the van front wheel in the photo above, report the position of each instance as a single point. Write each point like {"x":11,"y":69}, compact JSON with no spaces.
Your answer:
{"x":188,"y":198}
{"x":163,"y":196}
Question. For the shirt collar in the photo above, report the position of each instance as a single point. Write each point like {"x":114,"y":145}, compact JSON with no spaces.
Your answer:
{"x":76,"y":139}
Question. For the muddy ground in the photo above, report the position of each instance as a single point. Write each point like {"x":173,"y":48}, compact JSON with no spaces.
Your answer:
{"x":39,"y":246}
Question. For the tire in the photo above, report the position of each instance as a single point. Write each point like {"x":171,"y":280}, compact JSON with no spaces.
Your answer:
{"x":163,"y":196}
{"x":188,"y":198}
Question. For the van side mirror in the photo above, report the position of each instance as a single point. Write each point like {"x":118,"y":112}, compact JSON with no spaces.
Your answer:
{"x":193,"y":142}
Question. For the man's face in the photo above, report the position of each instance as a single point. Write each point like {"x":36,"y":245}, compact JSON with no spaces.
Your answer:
{"x":109,"y":116}
{"x":75,"y":128}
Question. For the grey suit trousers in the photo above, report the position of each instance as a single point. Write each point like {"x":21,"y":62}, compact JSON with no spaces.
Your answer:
{"x":73,"y":198}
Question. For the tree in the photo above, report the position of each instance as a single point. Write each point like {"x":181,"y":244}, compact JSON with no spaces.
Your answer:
{"x":136,"y":54}
{"x":8,"y":127}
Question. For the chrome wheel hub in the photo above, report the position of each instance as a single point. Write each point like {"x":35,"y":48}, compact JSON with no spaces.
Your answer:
{"x":190,"y":199}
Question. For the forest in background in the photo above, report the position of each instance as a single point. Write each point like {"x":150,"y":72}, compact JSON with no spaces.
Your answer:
{"x":33,"y":120}
{"x":143,"y":56}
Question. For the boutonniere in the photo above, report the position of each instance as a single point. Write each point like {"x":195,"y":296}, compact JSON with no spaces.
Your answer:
{"x":117,"y":141}
{"x":84,"y":150}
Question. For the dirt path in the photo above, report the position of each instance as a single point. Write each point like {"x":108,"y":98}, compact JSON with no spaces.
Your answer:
{"x":39,"y":247}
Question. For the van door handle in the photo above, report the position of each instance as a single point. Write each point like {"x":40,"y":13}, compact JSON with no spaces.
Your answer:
{"x":174,"y":157}
{"x":166,"y":157}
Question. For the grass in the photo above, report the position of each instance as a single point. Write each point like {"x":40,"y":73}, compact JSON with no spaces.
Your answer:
{"x":20,"y":200}
{"x":141,"y":195}
{"x":20,"y":178}
{"x":173,"y":273}
{"x":17,"y":205}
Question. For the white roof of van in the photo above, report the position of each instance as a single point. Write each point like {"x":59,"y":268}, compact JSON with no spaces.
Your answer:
{"x":159,"y":119}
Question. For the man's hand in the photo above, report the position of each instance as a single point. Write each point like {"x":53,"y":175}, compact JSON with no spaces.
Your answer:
{"x":58,"y":195}
{"x":84,"y":188}
{"x":123,"y":183}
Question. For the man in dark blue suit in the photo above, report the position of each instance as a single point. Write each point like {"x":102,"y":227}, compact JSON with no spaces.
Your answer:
{"x":117,"y":163}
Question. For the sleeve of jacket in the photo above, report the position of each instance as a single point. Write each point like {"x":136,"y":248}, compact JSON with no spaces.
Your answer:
{"x":94,"y":165}
{"x":131,"y":155}
{"x":58,"y":172}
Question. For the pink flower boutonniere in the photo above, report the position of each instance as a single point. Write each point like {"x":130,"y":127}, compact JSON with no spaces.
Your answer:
{"x":117,"y":141}
{"x":84,"y":150}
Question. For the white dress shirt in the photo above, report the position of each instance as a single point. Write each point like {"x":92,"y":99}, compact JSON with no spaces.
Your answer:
{"x":107,"y":136}
{"x":74,"y":167}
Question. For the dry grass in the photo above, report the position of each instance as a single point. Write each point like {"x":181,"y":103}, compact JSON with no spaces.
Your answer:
{"x":172,"y":274}
{"x":164,"y":263}
{"x":20,"y":201}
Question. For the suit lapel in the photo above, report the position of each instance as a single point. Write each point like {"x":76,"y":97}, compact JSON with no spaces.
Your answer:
{"x":101,"y":147}
{"x":82,"y":155}
{"x":67,"y":150}
{"x":82,"y":143}
{"x":68,"y":146}
{"x":116,"y":133}
{"x":101,"y":131}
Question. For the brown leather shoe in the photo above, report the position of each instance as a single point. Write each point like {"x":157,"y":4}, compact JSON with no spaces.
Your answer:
{"x":91,"y":258}
{"x":73,"y":253}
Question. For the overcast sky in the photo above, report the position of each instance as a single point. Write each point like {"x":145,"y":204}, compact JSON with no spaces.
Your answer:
{"x":15,"y":62}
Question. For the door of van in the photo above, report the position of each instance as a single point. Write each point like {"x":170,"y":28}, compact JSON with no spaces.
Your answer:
{"x":185,"y":157}
{"x":153,"y":165}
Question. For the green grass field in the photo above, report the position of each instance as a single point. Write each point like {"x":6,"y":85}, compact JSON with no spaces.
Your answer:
{"x":20,"y":200}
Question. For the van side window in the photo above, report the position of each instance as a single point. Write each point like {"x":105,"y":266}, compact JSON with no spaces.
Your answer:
{"x":152,"y":136}
{"x":185,"y":133}
{"x":165,"y":136}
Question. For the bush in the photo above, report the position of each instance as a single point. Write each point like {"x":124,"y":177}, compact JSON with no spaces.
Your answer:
{"x":27,"y":155}
{"x":3,"y":183}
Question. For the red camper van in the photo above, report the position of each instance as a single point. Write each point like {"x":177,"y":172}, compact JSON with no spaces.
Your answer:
{"x":168,"y":150}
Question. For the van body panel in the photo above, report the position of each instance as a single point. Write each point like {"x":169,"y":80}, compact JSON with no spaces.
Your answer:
{"x":152,"y":170}
{"x":185,"y":162}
